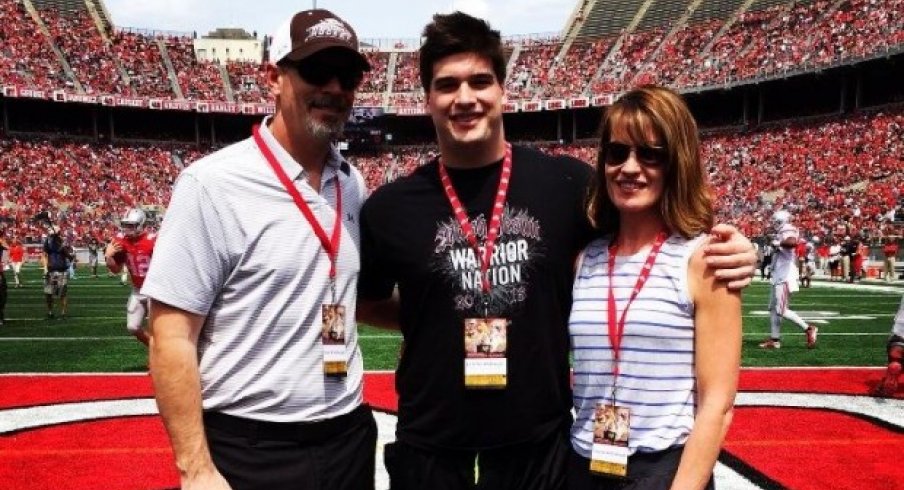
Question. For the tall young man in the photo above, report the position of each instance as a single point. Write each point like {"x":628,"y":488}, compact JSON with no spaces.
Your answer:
{"x":784,"y":283}
{"x":134,"y":246}
{"x":259,"y":245}
{"x":484,"y":238}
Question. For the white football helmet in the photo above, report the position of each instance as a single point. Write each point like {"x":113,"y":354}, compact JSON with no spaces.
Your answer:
{"x":780,"y":218}
{"x":132,"y":223}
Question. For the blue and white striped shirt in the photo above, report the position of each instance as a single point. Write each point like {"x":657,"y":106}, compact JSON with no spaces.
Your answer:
{"x":656,"y":375}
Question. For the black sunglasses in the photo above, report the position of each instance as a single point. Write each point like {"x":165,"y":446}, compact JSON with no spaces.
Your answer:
{"x":320,"y":74}
{"x":649,"y":156}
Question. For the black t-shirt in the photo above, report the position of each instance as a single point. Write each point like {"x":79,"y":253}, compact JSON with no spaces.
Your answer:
{"x":410,"y":237}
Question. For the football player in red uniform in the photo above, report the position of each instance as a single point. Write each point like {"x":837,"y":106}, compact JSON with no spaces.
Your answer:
{"x":132,"y":247}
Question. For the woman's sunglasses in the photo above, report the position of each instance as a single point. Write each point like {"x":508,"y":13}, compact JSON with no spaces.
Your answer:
{"x":616,"y":154}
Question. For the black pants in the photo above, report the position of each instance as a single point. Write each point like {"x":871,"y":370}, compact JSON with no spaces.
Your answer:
{"x":337,"y":454}
{"x":536,"y":466}
{"x":649,"y":471}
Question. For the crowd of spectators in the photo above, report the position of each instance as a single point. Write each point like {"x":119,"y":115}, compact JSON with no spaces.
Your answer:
{"x":27,"y":57}
{"x":89,"y":56}
{"x":407,"y":72}
{"x":199,"y":80}
{"x":249,"y":84}
{"x":678,"y":54}
{"x":779,"y":39}
{"x":84,"y":186}
{"x":625,"y":62}
{"x":570,"y":76}
{"x":141,"y":58}
{"x":838,"y":176}
{"x":375,"y":80}
{"x":529,"y":74}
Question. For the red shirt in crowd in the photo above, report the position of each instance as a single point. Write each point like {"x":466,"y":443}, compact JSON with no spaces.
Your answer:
{"x":16,"y":253}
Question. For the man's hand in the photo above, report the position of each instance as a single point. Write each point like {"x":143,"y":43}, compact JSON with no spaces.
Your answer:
{"x":211,"y":480}
{"x":112,"y":249}
{"x":731,"y":256}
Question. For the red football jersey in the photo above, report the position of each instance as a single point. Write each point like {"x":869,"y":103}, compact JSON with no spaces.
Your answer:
{"x":137,"y":254}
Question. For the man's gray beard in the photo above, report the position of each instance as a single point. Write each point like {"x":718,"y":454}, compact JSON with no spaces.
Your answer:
{"x":322,"y":131}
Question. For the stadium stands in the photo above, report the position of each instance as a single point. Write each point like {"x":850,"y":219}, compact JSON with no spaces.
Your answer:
{"x":839,"y":173}
{"x":681,"y":43}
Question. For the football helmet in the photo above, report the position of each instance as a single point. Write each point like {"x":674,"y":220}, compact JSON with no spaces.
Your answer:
{"x":780,"y":218}
{"x":132,"y":223}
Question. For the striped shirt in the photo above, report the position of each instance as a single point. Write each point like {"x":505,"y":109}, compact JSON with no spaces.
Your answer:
{"x":656,"y":371}
{"x":236,"y":249}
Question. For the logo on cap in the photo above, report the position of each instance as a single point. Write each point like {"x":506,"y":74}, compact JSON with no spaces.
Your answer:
{"x":329,"y":28}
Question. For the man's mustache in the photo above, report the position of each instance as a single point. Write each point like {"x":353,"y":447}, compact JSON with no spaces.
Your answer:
{"x":327,"y":101}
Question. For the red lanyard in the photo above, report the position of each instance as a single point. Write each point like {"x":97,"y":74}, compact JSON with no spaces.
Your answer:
{"x":496,"y":218}
{"x":330,"y":245}
{"x":617,"y":328}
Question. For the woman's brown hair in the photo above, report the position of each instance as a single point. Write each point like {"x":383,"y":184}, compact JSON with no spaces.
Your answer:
{"x":686,"y":204}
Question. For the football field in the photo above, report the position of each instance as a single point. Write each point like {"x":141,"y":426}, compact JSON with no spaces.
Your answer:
{"x":854,"y":322}
{"x":77,"y":408}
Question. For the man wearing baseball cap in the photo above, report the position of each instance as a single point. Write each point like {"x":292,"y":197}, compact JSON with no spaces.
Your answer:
{"x":253,"y":351}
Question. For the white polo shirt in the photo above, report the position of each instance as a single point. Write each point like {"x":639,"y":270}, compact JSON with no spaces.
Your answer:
{"x":236,"y":249}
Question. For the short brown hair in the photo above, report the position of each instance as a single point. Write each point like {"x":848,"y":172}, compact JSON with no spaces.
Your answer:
{"x":456,"y":33}
{"x":686,"y":205}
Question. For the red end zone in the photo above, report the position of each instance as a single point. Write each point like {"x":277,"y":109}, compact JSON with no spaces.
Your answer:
{"x":773,"y":445}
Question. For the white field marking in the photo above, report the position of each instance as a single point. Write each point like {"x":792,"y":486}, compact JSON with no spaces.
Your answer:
{"x":889,"y":410}
{"x":822,"y":317}
{"x":886,"y":288}
{"x":822,"y":334}
{"x":48,"y":415}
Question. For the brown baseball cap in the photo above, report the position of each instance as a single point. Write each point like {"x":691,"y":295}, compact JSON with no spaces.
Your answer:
{"x":311,"y":31}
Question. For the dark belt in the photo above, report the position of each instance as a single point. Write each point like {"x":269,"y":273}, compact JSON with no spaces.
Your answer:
{"x":288,"y":431}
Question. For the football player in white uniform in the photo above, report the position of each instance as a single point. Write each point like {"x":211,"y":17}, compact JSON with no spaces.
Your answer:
{"x":784,"y":282}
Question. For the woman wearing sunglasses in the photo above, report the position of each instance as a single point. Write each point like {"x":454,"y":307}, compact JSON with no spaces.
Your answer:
{"x":656,"y":337}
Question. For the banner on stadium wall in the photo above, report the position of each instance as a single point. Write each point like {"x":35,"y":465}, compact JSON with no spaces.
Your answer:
{"x":80,"y":99}
{"x":130,"y":102}
{"x":532,"y":106}
{"x":224,"y":107}
{"x":410,"y":111}
{"x":580,"y":103}
{"x":554,"y":104}
{"x":264,"y":109}
{"x":256,"y":109}
{"x":32,"y":94}
{"x":602,"y":100}
{"x":177,"y":105}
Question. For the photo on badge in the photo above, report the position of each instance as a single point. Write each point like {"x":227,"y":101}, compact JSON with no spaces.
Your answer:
{"x":333,"y":327}
{"x":485,"y":337}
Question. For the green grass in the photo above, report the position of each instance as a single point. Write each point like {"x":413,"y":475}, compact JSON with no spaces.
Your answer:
{"x":93,"y":337}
